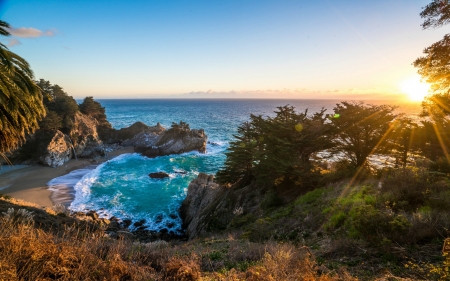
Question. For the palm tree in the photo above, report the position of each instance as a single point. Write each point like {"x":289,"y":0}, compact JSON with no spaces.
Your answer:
{"x":21,"y":105}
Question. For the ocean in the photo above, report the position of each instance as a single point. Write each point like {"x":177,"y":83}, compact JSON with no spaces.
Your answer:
{"x":121,"y":187}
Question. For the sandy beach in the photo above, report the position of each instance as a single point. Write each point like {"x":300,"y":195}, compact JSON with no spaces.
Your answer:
{"x":29,"y":183}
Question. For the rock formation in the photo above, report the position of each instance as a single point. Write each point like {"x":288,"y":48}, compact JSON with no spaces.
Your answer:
{"x":170,"y":141}
{"x":210,"y":207}
{"x":53,"y":148}
{"x":84,"y":136}
{"x":57,"y":152}
{"x":198,"y":205}
{"x":158,"y":175}
{"x":125,"y":134}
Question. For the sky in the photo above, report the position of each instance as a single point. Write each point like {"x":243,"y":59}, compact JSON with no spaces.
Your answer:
{"x":221,"y":49}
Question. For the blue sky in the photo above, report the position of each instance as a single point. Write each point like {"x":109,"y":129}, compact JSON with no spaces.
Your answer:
{"x":267,"y":49}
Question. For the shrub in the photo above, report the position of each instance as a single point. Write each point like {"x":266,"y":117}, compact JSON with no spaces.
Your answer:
{"x":410,"y":188}
{"x":21,"y":216}
{"x":178,"y":269}
{"x":271,"y":199}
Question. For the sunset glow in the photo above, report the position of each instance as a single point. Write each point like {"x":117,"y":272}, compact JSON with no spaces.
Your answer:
{"x":414,"y":88}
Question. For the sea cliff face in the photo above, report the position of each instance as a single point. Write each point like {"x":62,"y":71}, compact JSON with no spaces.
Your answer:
{"x":210,"y":207}
{"x":53,"y":148}
{"x":85,"y":137}
{"x":195,"y":209}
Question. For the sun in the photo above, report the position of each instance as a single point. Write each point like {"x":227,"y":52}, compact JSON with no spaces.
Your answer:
{"x":414,"y":88}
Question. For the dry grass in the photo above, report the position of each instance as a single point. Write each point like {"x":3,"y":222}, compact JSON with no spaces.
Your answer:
{"x":283,"y":262}
{"x":30,"y":253}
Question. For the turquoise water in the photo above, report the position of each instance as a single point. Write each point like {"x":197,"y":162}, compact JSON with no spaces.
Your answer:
{"x":122,"y":187}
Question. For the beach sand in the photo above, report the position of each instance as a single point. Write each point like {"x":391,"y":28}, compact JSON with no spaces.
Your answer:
{"x":29,"y":183}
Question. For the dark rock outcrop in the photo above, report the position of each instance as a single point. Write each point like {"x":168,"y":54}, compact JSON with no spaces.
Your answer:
{"x":210,"y":207}
{"x":153,"y":141}
{"x":199,"y":203}
{"x":126,"y":134}
{"x":158,"y":175}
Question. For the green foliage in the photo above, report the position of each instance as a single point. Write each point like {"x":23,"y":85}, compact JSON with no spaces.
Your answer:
{"x":52,"y":121}
{"x":404,"y":138}
{"x":361,"y":129}
{"x":433,"y":137}
{"x":180,"y":127}
{"x":277,"y":150}
{"x":311,"y":197}
{"x":216,"y":256}
{"x":176,"y":130}
{"x":410,"y":188}
{"x":239,"y":161}
{"x":441,"y":165}
{"x":94,"y":109}
{"x":337,"y":219}
{"x":434,"y":69}
{"x":60,"y":103}
{"x":21,"y":104}
{"x":271,"y":199}
{"x":436,"y":14}
{"x":242,"y":220}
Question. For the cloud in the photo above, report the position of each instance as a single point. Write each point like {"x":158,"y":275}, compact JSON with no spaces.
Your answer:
{"x":13,"y":42}
{"x":301,"y":93}
{"x":30,"y":32}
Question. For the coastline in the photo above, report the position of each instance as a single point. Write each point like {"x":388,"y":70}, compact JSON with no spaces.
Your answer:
{"x":30,"y":183}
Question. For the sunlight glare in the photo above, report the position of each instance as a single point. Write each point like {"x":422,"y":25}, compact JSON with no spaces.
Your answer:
{"x":414,"y":88}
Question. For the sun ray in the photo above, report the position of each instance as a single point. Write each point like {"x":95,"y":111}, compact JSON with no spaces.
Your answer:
{"x":441,"y":141}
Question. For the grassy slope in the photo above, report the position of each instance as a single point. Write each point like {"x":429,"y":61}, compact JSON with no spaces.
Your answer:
{"x":330,"y":233}
{"x":373,"y":231}
{"x":54,"y":246}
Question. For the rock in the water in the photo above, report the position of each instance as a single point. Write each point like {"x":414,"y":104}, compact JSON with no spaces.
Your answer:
{"x":126,"y":222}
{"x":159,"y":218}
{"x":139,"y":223}
{"x":125,"y":135}
{"x":158,"y":175}
{"x":153,"y":144}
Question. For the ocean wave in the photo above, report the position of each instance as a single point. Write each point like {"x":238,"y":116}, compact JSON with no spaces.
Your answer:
{"x":121,"y":187}
{"x":83,"y":189}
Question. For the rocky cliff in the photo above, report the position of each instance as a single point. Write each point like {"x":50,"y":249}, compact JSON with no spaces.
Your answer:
{"x":126,"y":134}
{"x":53,"y":148}
{"x":209,"y":206}
{"x":85,"y":138}
{"x":169,"y":142}
{"x":157,"y":141}
{"x":58,"y":150}
{"x":82,"y":141}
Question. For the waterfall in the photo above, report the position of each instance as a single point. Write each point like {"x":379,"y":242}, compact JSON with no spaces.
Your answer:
{"x":73,"y":148}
